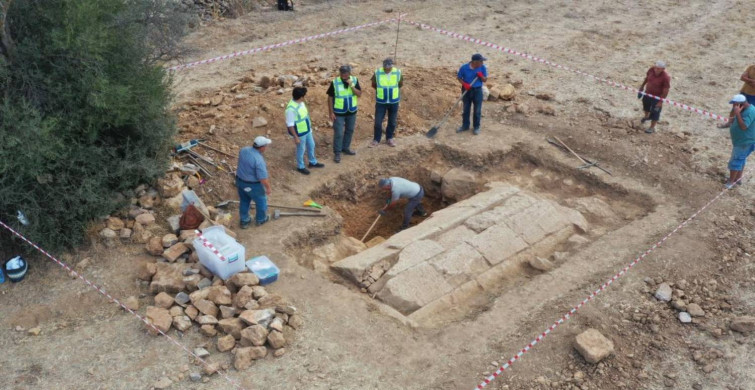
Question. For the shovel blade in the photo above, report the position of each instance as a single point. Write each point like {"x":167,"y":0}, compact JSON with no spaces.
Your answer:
{"x":431,"y":133}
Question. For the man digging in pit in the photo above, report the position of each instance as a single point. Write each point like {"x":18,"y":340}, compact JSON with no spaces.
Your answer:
{"x":401,"y":188}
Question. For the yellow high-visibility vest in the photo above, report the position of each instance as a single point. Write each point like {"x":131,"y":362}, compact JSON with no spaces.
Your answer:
{"x":302,"y":124}
{"x":344,"y":101}
{"x":387,"y":86}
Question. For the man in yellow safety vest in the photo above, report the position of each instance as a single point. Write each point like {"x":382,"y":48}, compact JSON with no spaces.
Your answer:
{"x":300,"y":129}
{"x":343,"y":94}
{"x":387,"y":82}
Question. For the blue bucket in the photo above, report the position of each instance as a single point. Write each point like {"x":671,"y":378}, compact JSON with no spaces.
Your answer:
{"x":16,"y":268}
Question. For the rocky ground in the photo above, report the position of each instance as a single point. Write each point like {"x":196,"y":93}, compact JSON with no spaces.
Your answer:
{"x":347,"y":341}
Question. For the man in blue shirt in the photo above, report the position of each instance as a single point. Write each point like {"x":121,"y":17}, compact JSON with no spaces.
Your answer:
{"x":252,"y":182}
{"x":471,"y":76}
{"x":742,"y":131}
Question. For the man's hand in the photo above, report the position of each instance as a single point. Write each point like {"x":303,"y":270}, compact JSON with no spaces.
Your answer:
{"x":480,"y":75}
{"x":466,"y":85}
{"x":268,"y":191}
{"x":332,"y":117}
{"x":659,"y":105}
{"x":737,"y":109}
{"x":381,"y":212}
{"x":297,"y":140}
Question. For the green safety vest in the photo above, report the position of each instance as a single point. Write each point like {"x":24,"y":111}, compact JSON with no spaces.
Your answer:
{"x":302,"y":124}
{"x":387,"y":86}
{"x":344,"y":101}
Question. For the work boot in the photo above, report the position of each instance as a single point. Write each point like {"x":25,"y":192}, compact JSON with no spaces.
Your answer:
{"x":337,"y":158}
{"x":317,"y":165}
{"x":303,"y":171}
{"x":420,"y":212}
{"x":460,"y":129}
{"x":476,"y":131}
{"x":349,"y":152}
{"x":374,"y":144}
{"x":650,"y":130}
{"x":391,"y":142}
{"x":267,"y":218}
{"x":245,"y":225}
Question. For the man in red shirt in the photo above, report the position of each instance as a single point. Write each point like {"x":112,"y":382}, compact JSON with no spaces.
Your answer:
{"x":658,"y":83}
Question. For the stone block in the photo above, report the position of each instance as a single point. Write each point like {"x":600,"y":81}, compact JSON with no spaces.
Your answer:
{"x":482,"y":221}
{"x":744,"y":324}
{"x":231,"y":326}
{"x":593,"y":346}
{"x":414,"y":288}
{"x":460,"y":264}
{"x":353,"y":267}
{"x":413,"y":254}
{"x":455,"y":236}
{"x":159,"y":318}
{"x":498,"y":243}
{"x":255,"y":335}
{"x":524,"y":224}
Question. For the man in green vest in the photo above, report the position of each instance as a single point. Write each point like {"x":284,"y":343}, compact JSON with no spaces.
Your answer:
{"x":387,"y":82}
{"x":343,"y":94}
{"x":300,"y":129}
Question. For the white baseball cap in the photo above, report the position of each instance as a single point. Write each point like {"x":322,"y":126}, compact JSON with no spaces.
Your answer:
{"x":262,"y":141}
{"x":738,"y":99}
{"x":660,"y":64}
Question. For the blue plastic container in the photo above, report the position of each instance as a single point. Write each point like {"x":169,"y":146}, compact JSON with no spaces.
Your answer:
{"x":264,"y":269}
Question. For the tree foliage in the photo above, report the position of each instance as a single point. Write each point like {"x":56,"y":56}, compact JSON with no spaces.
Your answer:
{"x":84,"y":109}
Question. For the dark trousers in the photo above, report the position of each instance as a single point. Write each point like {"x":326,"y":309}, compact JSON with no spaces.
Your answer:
{"x":343,"y":131}
{"x":380,"y":110}
{"x":473,"y":96}
{"x":415,"y":203}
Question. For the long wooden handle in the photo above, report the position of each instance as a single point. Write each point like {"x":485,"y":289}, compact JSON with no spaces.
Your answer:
{"x":448,"y":113}
{"x":572,"y":152}
{"x":370,"y":229}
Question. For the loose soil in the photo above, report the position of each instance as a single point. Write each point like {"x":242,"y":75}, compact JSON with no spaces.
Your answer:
{"x":348,"y":342}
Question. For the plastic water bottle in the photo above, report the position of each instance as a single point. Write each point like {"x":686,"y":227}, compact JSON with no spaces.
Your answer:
{"x":22,"y":218}
{"x":186,"y":145}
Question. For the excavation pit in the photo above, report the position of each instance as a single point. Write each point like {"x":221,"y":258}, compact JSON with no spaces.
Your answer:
{"x":495,"y":220}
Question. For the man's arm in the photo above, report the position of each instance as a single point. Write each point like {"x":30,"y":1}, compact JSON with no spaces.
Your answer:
{"x":266,"y":184}
{"x":747,"y":79}
{"x":401,"y":81}
{"x":292,"y":132}
{"x":374,"y":83}
{"x":330,"y":108}
{"x":644,"y":81}
{"x":357,"y":89}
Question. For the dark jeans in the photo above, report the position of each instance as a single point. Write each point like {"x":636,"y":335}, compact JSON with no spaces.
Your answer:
{"x":249,"y":192}
{"x":473,"y":96}
{"x":649,"y":105}
{"x":414,"y":203}
{"x":380,"y":110}
{"x":343,"y":131}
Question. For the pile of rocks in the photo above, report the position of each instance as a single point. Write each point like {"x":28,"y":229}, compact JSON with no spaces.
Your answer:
{"x":243,"y":316}
{"x":692,"y":300}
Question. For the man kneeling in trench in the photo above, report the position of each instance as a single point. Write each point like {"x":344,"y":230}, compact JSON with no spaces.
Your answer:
{"x":402,"y":188}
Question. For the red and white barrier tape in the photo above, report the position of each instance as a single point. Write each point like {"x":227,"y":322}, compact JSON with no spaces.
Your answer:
{"x":207,"y":244}
{"x":116,"y":301}
{"x":577,"y":71}
{"x":593,"y":294}
{"x":281,"y":44}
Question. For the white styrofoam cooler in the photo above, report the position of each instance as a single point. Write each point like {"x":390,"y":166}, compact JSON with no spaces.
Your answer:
{"x":230,"y":248}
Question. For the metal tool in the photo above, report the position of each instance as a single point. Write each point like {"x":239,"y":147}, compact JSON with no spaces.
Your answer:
{"x":277,"y":214}
{"x":217,"y":150}
{"x":587,"y":163}
{"x":434,"y":130}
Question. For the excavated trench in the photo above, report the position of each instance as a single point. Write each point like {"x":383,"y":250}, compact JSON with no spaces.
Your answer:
{"x":495,"y":220}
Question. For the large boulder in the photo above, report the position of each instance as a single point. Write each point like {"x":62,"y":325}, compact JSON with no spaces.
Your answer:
{"x":458,"y":184}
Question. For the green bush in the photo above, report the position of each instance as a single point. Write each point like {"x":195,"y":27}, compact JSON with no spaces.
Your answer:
{"x":84,"y":111}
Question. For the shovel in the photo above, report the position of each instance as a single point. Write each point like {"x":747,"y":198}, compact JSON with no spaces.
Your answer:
{"x":277,"y":214}
{"x":434,"y":130}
